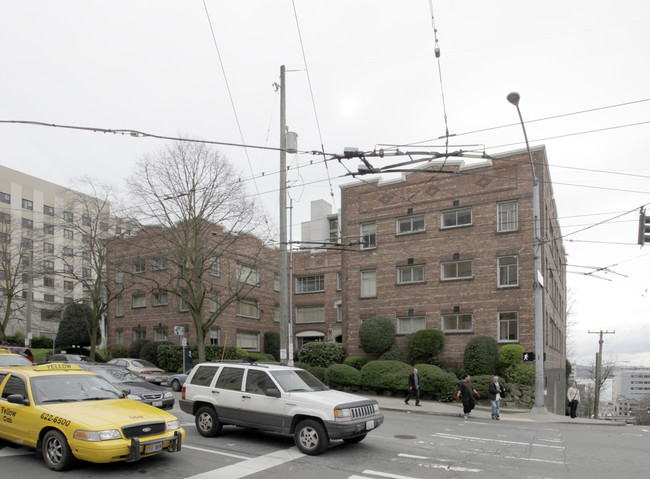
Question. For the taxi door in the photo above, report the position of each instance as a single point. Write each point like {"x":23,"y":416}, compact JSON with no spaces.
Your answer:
{"x":15,"y":419}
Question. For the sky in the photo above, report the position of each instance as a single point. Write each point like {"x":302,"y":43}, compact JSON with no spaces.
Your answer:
{"x":360,"y":73}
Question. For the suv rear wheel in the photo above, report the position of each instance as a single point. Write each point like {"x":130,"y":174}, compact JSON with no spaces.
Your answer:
{"x":310,"y":437}
{"x":207,"y":422}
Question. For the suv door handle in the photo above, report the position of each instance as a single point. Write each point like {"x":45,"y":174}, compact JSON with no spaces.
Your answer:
{"x":246,"y":397}
{"x":215,"y":391}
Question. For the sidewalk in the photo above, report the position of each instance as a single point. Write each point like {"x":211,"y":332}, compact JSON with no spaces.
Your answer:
{"x":482,"y":412}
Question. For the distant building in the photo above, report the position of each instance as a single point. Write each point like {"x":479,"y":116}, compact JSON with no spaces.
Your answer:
{"x":631,"y":383}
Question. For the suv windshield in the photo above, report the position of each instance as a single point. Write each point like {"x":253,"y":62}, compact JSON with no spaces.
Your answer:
{"x":72,"y":388}
{"x":293,"y":380}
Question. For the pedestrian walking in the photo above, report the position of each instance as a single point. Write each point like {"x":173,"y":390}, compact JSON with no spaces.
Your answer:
{"x":495,"y":392}
{"x":573,"y":395}
{"x":466,"y":393}
{"x":414,"y":387}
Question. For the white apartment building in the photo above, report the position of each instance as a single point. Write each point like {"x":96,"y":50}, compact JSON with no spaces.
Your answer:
{"x":631,"y":383}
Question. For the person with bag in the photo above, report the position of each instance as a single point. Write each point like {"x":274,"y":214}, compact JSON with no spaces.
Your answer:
{"x":466,"y":393}
{"x":495,"y":392}
{"x":573,"y":395}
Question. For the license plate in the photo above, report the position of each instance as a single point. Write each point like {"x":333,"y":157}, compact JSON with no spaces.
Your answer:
{"x":157,"y":404}
{"x":370,"y":425}
{"x":149,"y":448}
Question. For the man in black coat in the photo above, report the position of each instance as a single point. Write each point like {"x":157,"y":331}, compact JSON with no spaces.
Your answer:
{"x":414,"y":387}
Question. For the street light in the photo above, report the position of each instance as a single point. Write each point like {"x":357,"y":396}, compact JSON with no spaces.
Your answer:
{"x":539,"y":407}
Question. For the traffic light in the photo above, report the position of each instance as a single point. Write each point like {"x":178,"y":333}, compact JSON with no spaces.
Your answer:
{"x":644,"y":227}
{"x":649,"y":410}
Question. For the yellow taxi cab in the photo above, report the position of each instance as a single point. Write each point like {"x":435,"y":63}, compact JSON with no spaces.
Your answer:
{"x":7,"y":358}
{"x":68,"y":413}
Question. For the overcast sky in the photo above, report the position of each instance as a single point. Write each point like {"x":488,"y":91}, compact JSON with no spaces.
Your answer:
{"x":363,"y":74}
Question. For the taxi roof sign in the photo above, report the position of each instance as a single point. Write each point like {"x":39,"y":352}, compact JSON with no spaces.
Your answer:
{"x":57,"y":367}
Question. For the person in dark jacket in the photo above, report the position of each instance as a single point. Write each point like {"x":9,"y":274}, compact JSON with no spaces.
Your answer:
{"x":466,"y":393}
{"x":414,"y":387}
{"x":495,"y":392}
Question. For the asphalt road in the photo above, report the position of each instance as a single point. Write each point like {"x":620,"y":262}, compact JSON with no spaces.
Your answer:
{"x":406,"y":446}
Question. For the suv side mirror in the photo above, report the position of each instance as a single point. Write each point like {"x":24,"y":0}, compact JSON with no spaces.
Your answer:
{"x":273,"y":392}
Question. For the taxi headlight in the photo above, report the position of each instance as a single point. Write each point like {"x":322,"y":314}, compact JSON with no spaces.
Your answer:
{"x":96,"y":436}
{"x":173,"y":425}
{"x":168,"y":395}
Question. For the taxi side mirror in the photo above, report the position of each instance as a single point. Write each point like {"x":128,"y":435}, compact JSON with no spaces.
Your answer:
{"x":17,"y":399}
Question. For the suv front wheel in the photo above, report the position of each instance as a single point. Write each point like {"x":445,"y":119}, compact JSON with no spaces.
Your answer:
{"x":310,"y":437}
{"x":207,"y":422}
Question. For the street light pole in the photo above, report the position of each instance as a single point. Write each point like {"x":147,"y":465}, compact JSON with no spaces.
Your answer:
{"x":284,"y":300}
{"x":539,"y":406}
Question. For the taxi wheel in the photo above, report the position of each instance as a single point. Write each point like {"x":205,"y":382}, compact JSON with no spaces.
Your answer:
{"x":310,"y":437}
{"x":176,"y":385}
{"x":56,"y":452}
{"x":207,"y":422}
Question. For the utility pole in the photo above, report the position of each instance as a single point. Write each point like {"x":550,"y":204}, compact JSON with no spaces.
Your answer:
{"x":599,"y":360}
{"x":284,"y":303}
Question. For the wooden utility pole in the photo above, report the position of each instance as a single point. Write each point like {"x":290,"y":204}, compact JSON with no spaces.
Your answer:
{"x":284,"y":298}
{"x":599,"y":360}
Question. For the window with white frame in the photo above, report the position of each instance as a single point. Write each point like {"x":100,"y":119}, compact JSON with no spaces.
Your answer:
{"x":119,"y":306}
{"x":508,"y":326}
{"x":215,"y":336}
{"x":139,"y":300}
{"x":247,"y":274}
{"x":119,"y":275}
{"x":457,"y":323}
{"x":48,"y":248}
{"x":410,"y":274}
{"x":68,"y":216}
{"x":369,"y":284}
{"x":276,"y":283}
{"x":214,"y":302}
{"x":249,"y":341}
{"x":139,"y":333}
{"x":368,"y":235}
{"x":159,"y":264}
{"x":68,"y":234}
{"x":249,"y":308}
{"x":508,"y":271}
{"x":48,"y":266}
{"x":456,"y":270}
{"x":410,"y":224}
{"x":139,"y":266}
{"x":183,"y":305}
{"x":338,"y":281}
{"x":160,"y":333}
{"x":411,"y":324}
{"x":339,"y":311}
{"x":310,"y":314}
{"x":215,"y":265}
{"x":28,"y":204}
{"x":456,"y":217}
{"x":160,"y":298}
{"x":310,"y":284}
{"x":276,"y":313}
{"x":507,"y":216}
{"x":119,"y":336}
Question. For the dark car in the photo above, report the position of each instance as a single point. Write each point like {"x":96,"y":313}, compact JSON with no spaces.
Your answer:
{"x":135,"y":386}
{"x":22,"y":350}
{"x":68,"y":358}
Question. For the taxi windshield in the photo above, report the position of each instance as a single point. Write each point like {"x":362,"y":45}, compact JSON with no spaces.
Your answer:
{"x":72,"y":388}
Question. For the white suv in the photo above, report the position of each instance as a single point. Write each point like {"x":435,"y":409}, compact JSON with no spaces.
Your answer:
{"x":276,"y":398}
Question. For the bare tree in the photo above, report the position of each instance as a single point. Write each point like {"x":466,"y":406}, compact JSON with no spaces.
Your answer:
{"x":15,"y":260}
{"x":607,"y":368}
{"x":199,"y":222}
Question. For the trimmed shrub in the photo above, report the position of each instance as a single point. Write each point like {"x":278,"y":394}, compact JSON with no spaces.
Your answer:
{"x":149,"y":351}
{"x":377,"y":335}
{"x":342,"y":374}
{"x":481,"y":355}
{"x":356,"y":362}
{"x":390,"y":375}
{"x":425,"y":344}
{"x":482,"y":383}
{"x":117,"y":352}
{"x":42,"y":342}
{"x":510,"y":355}
{"x":395,"y":353}
{"x":317,"y":371}
{"x":272,"y":344}
{"x":135,"y":347}
{"x":170,"y":357}
{"x":322,"y":354}
{"x":522,"y":373}
{"x":440,"y":384}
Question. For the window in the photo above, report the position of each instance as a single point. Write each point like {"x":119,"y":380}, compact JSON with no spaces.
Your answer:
{"x":48,"y":248}
{"x":139,"y":266}
{"x":119,"y":336}
{"x":334,"y":230}
{"x":86,"y":272}
{"x":369,"y":284}
{"x":310,"y":314}
{"x":369,"y":235}
{"x":47,"y":281}
{"x":5,"y":218}
{"x":248,"y":341}
{"x":410,"y":224}
{"x":507,"y":216}
{"x":68,"y":251}
{"x":48,"y":210}
{"x":508,"y":267}
{"x":411,"y":324}
{"x":68,"y":234}
{"x":27,"y":243}
{"x":28,"y":224}
{"x":509,"y":326}
{"x":214,"y":302}
{"x":48,"y":266}
{"x":139,"y":333}
{"x":48,"y":229}
{"x":457,"y":217}
{"x":230,"y":378}
{"x":68,"y":216}
{"x":215,"y":336}
{"x":103,"y":226}
{"x":310,"y":284}
{"x":119,"y":306}
{"x":183,"y":305}
{"x":258,"y":382}
{"x":338,"y":281}
{"x":410,"y":274}
{"x":339,"y":312}
{"x":85,"y":220}
{"x":67,"y":269}
{"x":456,"y":270}
{"x":159,"y":264}
{"x":160,"y":334}
{"x":68,"y":285}
{"x":85,"y":239}
{"x":160,"y":298}
{"x":215,"y":266}
{"x":5,"y":198}
{"x":119,"y":275}
{"x":28,"y":205}
{"x":457,"y":323}
{"x":247,"y":274}
{"x":118,"y":230}
{"x":139,"y":301}
{"x":48,"y":298}
{"x":276,"y":283}
{"x":248,"y":307}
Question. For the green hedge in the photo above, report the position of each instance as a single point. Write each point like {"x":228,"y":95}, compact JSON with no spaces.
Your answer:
{"x":322,"y":354}
{"x":390,"y":375}
{"x":481,"y":356}
{"x":342,"y":374}
{"x":355,"y":361}
{"x":437,"y":382}
{"x":170,"y":357}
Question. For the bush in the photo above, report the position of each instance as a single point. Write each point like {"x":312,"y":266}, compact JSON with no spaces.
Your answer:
{"x":356,"y":362}
{"x":425,"y":344}
{"x":342,"y":374}
{"x":523,"y":374}
{"x":390,"y":375}
{"x":510,"y":355}
{"x":135,"y":347}
{"x":117,"y":352}
{"x":395,"y":353}
{"x":440,"y":384}
{"x":42,"y":342}
{"x":322,"y":354}
{"x":170,"y":357}
{"x":149,"y":351}
{"x":481,"y":355}
{"x":482,"y":383}
{"x":317,"y":371}
{"x":272,"y":344}
{"x":377,"y":335}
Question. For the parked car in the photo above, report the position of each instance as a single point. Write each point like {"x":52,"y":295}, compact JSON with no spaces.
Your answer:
{"x":22,"y":350}
{"x":276,"y":398}
{"x":134,"y":385}
{"x":176,"y":381}
{"x":144,"y":368}
{"x":11,"y":359}
{"x":68,"y":358}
